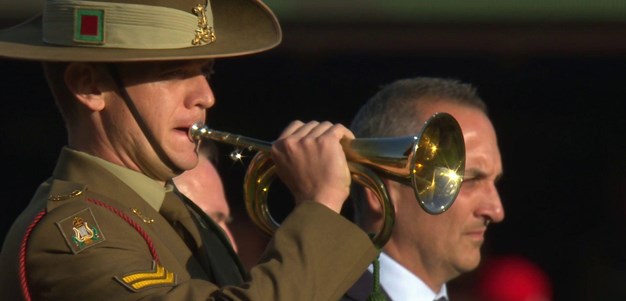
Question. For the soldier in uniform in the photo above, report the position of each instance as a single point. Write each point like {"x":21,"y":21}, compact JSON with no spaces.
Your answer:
{"x":129,"y":78}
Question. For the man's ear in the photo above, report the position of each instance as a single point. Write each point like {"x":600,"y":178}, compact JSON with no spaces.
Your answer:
{"x":83,"y":80}
{"x":375,"y":204}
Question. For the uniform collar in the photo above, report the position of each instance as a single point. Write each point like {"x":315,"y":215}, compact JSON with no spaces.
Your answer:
{"x":151,"y":191}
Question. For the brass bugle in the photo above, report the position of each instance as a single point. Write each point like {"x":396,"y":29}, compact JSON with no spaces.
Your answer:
{"x":431,"y":162}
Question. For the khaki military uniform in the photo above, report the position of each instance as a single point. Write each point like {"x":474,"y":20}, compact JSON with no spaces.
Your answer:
{"x":86,"y":235}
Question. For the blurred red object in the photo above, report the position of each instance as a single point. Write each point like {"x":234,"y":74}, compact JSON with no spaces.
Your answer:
{"x":513,"y":278}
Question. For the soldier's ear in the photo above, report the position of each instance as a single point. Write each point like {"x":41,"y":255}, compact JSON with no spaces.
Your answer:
{"x":84,"y":81}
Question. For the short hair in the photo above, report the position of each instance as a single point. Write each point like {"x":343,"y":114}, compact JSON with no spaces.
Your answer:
{"x":54,"y":73}
{"x":394,"y":111}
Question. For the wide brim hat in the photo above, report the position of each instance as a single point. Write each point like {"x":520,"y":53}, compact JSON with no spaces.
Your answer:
{"x":142,"y":30}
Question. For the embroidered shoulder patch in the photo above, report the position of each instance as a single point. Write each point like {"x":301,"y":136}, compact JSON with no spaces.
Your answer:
{"x":157,"y":276}
{"x":81,"y":230}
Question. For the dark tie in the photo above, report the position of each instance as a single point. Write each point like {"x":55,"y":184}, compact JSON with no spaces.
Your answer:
{"x":204,"y":238}
{"x":441,"y":299}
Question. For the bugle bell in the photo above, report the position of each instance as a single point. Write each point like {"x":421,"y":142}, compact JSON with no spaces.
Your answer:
{"x":431,"y":162}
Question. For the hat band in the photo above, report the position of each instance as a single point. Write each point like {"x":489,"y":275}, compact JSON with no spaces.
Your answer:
{"x":121,"y":25}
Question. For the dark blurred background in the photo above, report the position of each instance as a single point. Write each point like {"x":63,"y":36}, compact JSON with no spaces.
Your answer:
{"x":552,"y":73}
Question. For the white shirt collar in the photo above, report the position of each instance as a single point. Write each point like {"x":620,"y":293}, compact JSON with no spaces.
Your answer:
{"x":400,"y":284}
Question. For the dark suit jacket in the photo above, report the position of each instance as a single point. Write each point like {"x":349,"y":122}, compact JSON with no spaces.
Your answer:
{"x":79,"y":239}
{"x":362,"y":288}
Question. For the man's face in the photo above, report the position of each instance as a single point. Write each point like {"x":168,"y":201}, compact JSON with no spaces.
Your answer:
{"x":445,"y":245}
{"x":169,"y":97}
{"x":204,"y":187}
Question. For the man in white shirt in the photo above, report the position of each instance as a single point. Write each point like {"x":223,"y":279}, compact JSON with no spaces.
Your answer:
{"x":425,"y":251}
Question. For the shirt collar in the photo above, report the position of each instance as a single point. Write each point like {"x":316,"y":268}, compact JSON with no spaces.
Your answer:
{"x":400,"y":284}
{"x":148,"y":189}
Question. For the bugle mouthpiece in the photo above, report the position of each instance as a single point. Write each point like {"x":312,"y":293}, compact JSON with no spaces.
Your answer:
{"x":196,"y":131}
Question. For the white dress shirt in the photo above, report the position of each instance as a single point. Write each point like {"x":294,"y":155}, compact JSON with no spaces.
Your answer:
{"x":402,"y":285}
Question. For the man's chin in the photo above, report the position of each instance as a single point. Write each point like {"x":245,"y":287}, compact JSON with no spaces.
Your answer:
{"x":471,"y":262}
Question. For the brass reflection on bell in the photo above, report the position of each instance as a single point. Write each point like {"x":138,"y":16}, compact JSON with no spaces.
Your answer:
{"x":432,"y":162}
{"x":440,"y":157}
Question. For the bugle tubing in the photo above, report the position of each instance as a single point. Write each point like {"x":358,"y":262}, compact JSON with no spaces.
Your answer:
{"x":431,"y":162}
